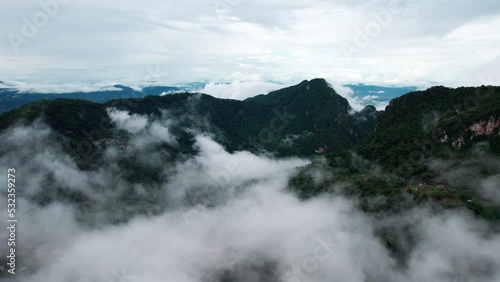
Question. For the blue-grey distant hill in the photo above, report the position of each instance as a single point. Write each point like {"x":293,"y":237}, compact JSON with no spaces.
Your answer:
{"x":11,"y":98}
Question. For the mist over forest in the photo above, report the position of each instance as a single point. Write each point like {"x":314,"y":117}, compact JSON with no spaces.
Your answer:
{"x":138,"y":210}
{"x":249,"y":141}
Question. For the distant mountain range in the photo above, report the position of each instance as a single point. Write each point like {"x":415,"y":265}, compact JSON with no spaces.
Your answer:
{"x":11,"y":98}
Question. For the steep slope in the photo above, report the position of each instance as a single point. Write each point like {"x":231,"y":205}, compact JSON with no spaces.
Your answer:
{"x":321,"y":117}
{"x":437,"y":122}
{"x":439,"y":146}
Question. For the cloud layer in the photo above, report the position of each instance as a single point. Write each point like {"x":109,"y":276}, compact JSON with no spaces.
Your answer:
{"x":223,"y":216}
{"x":385,"y":42}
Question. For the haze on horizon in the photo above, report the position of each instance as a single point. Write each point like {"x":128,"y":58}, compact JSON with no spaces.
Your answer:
{"x":255,"y":43}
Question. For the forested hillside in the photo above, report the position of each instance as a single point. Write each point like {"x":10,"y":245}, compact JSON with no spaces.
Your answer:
{"x":439,"y":145}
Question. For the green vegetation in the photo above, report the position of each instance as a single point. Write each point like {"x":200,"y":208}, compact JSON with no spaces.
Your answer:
{"x":391,"y":168}
{"x":292,"y":121}
{"x":411,"y":129}
{"x":408,"y":155}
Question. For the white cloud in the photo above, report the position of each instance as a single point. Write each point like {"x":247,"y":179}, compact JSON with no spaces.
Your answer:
{"x":131,"y":123}
{"x":220,"y":41}
{"x":370,"y":97}
{"x":147,"y":132}
{"x":246,"y":224}
{"x":54,"y":87}
{"x":239,"y":90}
{"x":347,"y":92}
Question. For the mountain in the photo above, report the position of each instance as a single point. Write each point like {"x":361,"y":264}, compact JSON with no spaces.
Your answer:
{"x":441,"y":145}
{"x":304,"y":120}
{"x":321,"y":117}
{"x":439,"y":121}
{"x":155,"y":163}
{"x":11,"y":98}
{"x":297,"y":120}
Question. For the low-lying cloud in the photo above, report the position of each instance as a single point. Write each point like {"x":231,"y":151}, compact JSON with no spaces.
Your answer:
{"x":222,"y":217}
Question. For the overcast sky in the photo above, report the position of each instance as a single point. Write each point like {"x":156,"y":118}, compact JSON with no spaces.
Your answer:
{"x":386,"y":42}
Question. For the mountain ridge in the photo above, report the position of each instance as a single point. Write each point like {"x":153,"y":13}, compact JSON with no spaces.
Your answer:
{"x":296,"y":120}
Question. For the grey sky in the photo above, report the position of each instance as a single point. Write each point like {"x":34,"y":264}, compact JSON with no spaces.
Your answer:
{"x":451,"y":42}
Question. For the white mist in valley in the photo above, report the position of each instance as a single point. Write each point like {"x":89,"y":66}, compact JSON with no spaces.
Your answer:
{"x":222,"y":217}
